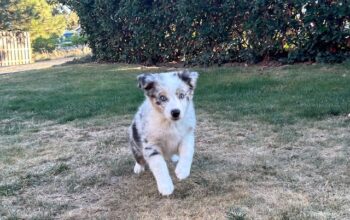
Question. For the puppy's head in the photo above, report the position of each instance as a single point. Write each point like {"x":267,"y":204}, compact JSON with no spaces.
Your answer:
{"x":169,"y":93}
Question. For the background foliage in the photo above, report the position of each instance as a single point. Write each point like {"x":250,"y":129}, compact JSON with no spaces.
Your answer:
{"x":49,"y":21}
{"x":13,"y":14}
{"x":45,"y":20}
{"x":42,"y":44}
{"x":41,"y":19}
{"x":214,"y":31}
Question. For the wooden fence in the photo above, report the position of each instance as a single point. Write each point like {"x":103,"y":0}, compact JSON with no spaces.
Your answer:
{"x":15,"y":48}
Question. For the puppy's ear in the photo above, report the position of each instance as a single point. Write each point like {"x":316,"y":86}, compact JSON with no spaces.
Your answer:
{"x":190,"y":78}
{"x":146,"y":81}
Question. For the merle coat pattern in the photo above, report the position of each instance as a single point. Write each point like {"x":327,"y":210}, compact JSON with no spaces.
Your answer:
{"x":164,"y":125}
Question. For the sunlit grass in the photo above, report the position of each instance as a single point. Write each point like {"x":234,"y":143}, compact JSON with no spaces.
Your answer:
{"x":277,"y":95}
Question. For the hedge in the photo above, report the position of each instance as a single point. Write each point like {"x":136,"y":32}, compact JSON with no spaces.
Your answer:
{"x":210,"y":32}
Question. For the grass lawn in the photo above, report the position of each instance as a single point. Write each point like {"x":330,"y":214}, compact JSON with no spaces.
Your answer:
{"x":272,"y":143}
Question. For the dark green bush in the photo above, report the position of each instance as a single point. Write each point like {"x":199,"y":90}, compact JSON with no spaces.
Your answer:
{"x":41,"y":44}
{"x":79,"y":40}
{"x":214,"y":32}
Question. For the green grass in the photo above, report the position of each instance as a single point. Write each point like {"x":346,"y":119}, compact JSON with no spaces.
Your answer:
{"x":277,"y":95}
{"x":9,"y":189}
{"x":68,"y":93}
{"x":61,"y":168}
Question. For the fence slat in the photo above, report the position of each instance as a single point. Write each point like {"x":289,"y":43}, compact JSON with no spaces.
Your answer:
{"x":7,"y":54}
{"x":1,"y":51}
{"x":9,"y":38}
{"x":15,"y":48}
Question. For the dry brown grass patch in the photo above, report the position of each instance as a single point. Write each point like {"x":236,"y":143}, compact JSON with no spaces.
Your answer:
{"x":242,"y":170}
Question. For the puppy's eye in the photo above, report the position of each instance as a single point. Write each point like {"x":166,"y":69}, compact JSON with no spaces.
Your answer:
{"x":181,"y":96}
{"x":163,"y":98}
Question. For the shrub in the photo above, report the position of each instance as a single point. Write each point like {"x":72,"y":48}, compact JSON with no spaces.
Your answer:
{"x":42,"y":45}
{"x":79,"y":40}
{"x":215,"y":31}
{"x":62,"y":53}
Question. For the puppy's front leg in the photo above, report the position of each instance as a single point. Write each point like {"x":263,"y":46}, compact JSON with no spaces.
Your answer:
{"x":186,"y":151}
{"x":159,"y":169}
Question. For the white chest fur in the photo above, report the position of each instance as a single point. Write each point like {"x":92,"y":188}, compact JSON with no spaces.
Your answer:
{"x":173,"y":137}
{"x":168,"y":135}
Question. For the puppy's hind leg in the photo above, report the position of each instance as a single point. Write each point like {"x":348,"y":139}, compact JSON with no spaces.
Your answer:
{"x":175,"y":158}
{"x":159,"y":169}
{"x":138,"y":168}
{"x":140,"y":160}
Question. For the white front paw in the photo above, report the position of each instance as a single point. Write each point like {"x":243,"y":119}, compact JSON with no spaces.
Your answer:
{"x":138,"y":168}
{"x":182,"y":172}
{"x":166,"y":188}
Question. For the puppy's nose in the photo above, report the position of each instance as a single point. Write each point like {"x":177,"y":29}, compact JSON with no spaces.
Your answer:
{"x":175,"y":113}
